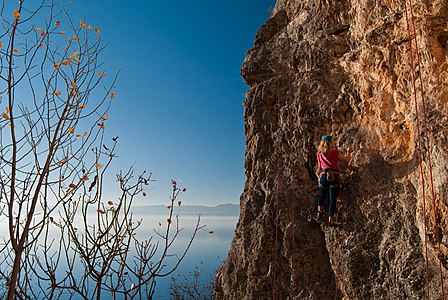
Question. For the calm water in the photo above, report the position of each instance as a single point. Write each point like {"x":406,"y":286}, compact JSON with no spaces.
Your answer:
{"x":207,"y":252}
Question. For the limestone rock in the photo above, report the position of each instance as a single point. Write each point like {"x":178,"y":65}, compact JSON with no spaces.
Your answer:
{"x":345,"y":67}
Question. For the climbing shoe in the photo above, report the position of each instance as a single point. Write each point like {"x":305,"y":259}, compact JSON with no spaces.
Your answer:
{"x":333,"y":224}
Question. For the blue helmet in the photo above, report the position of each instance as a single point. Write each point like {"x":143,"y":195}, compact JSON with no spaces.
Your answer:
{"x":327,"y":139}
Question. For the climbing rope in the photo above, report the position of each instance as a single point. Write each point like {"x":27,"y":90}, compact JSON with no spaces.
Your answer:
{"x":417,"y":120}
{"x":431,"y":180}
{"x":425,"y":129}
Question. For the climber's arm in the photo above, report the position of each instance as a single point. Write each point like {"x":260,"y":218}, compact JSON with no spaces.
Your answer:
{"x":346,"y":158}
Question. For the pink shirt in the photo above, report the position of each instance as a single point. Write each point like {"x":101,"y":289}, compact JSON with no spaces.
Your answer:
{"x":329,"y":161}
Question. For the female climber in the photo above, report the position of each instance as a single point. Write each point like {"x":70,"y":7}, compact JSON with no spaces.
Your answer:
{"x":328,"y":175}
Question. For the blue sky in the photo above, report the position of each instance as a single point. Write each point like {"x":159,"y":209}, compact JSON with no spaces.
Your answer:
{"x":178,"y":110}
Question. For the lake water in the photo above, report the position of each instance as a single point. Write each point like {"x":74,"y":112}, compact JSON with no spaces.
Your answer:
{"x":207,"y":252}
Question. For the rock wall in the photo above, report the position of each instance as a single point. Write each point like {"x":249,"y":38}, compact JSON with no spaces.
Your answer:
{"x":345,"y":67}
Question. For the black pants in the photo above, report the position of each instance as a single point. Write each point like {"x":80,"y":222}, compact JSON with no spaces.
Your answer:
{"x":332,"y":188}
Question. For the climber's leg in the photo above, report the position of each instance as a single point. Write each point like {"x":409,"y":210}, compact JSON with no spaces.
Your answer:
{"x":323,"y":191}
{"x":334,"y":191}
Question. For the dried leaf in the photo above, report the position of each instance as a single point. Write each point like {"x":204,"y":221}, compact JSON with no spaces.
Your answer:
{"x":97,"y":31}
{"x":179,"y":203}
{"x":110,"y":202}
{"x":98,"y":165}
{"x":82,"y":24}
{"x":57,"y":93}
{"x":1,"y":44}
{"x":100,"y":211}
{"x":85,"y":178}
{"x":16,"y":14}
{"x":65,"y":63}
{"x":85,"y":133}
{"x":101,"y":125}
{"x":58,"y":23}
{"x":71,"y":130}
{"x":16,"y":50}
{"x":72,"y":185}
{"x":73,"y":84}
{"x":43,"y":33}
{"x":56,"y":66}
{"x":89,"y":27}
{"x":112,"y":95}
{"x":169,"y":221}
{"x":37,"y":29}
{"x":211,"y":232}
{"x":83,"y":106}
{"x":76,"y":38}
{"x":62,"y":32}
{"x":5,"y":116}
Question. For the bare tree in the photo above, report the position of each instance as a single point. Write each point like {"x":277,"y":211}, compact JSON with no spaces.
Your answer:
{"x":61,"y":238}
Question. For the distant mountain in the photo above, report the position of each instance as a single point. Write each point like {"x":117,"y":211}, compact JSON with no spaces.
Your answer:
{"x":219,"y":210}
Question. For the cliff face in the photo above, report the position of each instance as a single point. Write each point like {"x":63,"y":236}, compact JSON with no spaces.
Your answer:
{"x":346,"y":67}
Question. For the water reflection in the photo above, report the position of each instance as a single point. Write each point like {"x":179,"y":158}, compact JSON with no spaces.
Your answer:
{"x":208,"y":251}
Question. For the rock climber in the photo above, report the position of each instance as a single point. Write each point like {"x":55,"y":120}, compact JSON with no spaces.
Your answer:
{"x":328,"y":175}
